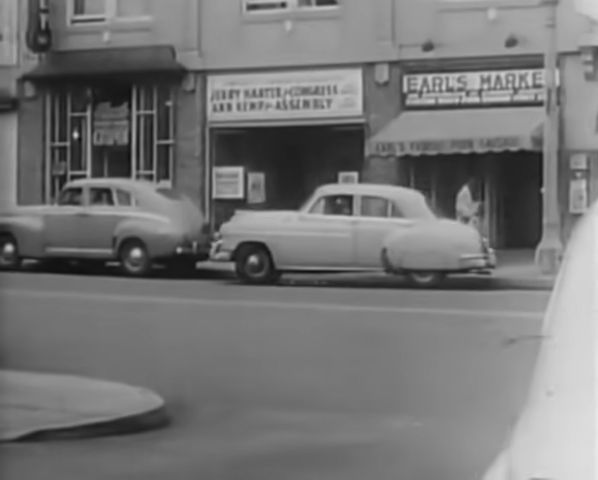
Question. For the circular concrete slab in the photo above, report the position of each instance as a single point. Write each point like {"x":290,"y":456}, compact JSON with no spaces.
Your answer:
{"x":42,"y":406}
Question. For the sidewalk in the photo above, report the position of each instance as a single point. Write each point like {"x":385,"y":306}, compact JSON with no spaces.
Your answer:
{"x":516,"y":270}
{"x":35,"y":406}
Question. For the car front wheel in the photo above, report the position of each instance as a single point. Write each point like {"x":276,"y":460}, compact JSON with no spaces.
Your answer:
{"x":9,"y":253}
{"x":134,"y":258}
{"x":425,"y":279}
{"x":254,"y":265}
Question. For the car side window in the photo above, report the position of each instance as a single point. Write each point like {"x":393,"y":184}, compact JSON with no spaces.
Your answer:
{"x":124,"y":199}
{"x":377,"y":207}
{"x":101,"y":196}
{"x":395,"y":211}
{"x":334,"y":205}
{"x":71,"y":197}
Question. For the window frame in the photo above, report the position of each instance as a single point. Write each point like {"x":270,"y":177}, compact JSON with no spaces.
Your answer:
{"x":59,"y":140}
{"x":292,"y":6}
{"x":110,"y":15}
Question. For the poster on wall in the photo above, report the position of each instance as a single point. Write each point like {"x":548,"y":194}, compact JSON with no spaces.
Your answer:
{"x":228,"y":183}
{"x":578,"y":195}
{"x":348,"y":177}
{"x":256,"y":187}
{"x":111,"y":124}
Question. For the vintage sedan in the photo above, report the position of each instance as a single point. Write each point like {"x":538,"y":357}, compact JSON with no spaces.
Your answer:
{"x":344,"y":227}
{"x":136,"y":223}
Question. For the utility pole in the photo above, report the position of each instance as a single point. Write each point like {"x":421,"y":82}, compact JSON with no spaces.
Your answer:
{"x":549,"y":250}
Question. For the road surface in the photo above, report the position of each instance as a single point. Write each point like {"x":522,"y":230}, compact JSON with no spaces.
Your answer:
{"x":270,"y":383}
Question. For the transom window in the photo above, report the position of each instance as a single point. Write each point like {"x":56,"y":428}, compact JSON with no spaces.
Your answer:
{"x":258,"y":6}
{"x":378,"y":207}
{"x":110,"y":130}
{"x":97,"y":11}
{"x":333,"y":205}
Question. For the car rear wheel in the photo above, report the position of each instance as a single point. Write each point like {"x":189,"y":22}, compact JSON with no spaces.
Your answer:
{"x":254,"y":265}
{"x":134,"y":258}
{"x":9,"y":253}
{"x":426,"y":279}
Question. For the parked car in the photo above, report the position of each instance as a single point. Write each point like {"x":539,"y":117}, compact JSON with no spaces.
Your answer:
{"x":137,"y":223}
{"x":344,"y":227}
{"x":555,"y":434}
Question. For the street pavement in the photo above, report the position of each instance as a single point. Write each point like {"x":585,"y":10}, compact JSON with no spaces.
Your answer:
{"x":293,"y":382}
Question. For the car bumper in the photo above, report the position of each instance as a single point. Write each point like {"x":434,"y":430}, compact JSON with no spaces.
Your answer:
{"x":193,"y":250}
{"x":478,"y":261}
{"x":219,"y":254}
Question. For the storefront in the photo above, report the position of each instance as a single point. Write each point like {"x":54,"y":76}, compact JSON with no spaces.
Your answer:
{"x":487,"y":124}
{"x":108,"y":113}
{"x":275,"y":136}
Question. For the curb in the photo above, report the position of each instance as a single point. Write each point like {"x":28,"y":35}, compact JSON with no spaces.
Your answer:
{"x":135,"y":424}
{"x":516,"y":282}
{"x":45,"y":406}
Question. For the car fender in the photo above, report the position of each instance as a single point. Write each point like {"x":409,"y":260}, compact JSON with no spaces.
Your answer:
{"x":28,"y":231}
{"x":156,"y":232}
{"x":431,"y":246}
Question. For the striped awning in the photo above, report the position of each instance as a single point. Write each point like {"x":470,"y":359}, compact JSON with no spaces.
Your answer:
{"x":443,"y":132}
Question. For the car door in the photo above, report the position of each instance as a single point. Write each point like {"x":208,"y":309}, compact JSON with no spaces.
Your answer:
{"x":99,"y":221}
{"x":376,"y":217}
{"x":62,"y":224}
{"x":323,"y":237}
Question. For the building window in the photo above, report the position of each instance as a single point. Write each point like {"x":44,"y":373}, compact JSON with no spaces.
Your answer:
{"x":100,"y":11}
{"x":112,"y":130}
{"x":258,"y":6}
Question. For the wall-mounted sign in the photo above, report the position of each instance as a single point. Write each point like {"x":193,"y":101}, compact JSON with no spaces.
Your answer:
{"x":9,"y":32}
{"x":578,"y":195}
{"x":578,"y":161}
{"x":256,"y":187}
{"x":474,"y":89}
{"x":39,"y":33}
{"x":285,"y":95}
{"x":111,"y":124}
{"x":348,"y":177}
{"x":228,"y":183}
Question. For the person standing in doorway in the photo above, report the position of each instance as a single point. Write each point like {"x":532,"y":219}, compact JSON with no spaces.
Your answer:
{"x":468,"y":205}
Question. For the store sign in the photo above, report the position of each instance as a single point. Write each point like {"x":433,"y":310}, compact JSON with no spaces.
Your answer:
{"x":451,"y":146}
{"x":285,"y":95}
{"x":471,"y":89}
{"x":111,"y":124}
{"x":9,"y":32}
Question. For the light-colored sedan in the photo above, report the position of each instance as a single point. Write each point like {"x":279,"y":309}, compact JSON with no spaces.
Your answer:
{"x":97,"y":220}
{"x":344,"y":227}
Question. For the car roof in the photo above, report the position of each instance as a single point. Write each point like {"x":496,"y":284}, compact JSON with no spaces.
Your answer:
{"x":393,"y":191}
{"x":126,"y":183}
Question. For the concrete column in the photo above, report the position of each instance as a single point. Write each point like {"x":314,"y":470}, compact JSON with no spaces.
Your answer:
{"x":549,"y":250}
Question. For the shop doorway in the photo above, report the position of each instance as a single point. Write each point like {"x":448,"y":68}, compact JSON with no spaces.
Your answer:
{"x":294,"y":161}
{"x":519,"y":200}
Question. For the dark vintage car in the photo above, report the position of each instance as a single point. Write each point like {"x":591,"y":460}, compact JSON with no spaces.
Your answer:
{"x":136,"y":223}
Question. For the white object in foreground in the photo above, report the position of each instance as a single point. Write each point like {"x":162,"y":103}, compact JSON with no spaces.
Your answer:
{"x":555,"y":436}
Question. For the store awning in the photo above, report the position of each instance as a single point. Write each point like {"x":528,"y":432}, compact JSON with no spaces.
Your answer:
{"x":105,"y":62}
{"x":464,"y":131}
